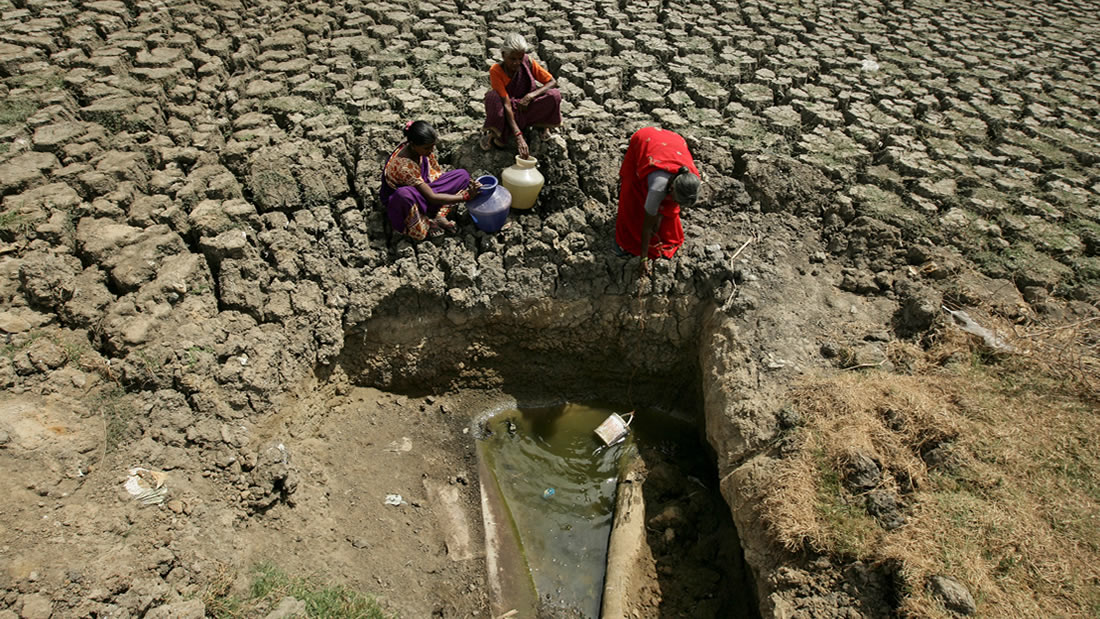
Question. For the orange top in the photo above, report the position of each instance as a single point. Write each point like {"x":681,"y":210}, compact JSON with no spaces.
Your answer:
{"x":401,"y":171}
{"x":499,"y":81}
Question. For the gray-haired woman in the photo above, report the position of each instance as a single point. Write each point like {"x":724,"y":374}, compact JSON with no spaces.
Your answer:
{"x":523,"y":94}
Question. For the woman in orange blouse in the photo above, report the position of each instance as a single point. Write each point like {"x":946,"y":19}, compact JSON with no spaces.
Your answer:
{"x":516,"y":100}
{"x":417,"y":194}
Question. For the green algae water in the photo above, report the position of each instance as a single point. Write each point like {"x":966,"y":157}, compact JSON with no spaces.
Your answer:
{"x":559,"y":482}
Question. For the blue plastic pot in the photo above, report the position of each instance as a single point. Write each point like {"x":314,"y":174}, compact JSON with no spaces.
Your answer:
{"x":489,"y":208}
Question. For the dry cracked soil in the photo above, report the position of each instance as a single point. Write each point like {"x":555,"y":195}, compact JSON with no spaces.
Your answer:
{"x":196,"y":277}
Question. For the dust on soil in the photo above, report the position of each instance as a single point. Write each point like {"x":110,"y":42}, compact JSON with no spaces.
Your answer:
{"x":65,"y":530}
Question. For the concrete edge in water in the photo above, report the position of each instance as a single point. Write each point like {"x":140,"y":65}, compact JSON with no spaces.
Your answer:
{"x":511,"y":588}
{"x":621,"y":581}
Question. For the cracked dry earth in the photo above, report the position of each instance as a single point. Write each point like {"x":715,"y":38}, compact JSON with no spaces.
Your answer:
{"x":196,"y":278}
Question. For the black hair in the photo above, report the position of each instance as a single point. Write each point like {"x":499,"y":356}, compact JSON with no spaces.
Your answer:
{"x":421,"y":133}
{"x":685,"y":187}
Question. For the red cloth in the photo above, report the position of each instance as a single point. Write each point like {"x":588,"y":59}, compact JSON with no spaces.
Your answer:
{"x":651,"y":149}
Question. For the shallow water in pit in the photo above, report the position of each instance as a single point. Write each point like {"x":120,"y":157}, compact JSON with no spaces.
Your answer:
{"x":558,"y":481}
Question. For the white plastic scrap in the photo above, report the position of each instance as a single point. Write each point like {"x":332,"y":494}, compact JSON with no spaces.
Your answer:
{"x":147,"y":486}
{"x":869,"y":65}
{"x":991,"y":339}
{"x":405,"y":444}
{"x":394,"y":499}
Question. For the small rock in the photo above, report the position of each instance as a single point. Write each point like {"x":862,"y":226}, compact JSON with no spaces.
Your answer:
{"x":877,"y":336}
{"x":788,"y":417}
{"x":920,"y":306}
{"x":941,"y":456}
{"x":289,"y":607}
{"x":190,"y":609}
{"x":36,"y":606}
{"x":884,"y":506}
{"x":671,"y":515}
{"x":863,"y":473}
{"x":176,"y":506}
{"x":953,"y":594}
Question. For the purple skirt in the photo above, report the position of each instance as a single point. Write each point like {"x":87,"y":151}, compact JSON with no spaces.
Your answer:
{"x":400,"y":201}
{"x":544,"y":110}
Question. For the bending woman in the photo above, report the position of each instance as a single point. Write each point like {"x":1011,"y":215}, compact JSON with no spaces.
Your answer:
{"x":416,"y":192}
{"x":658,"y":177}
{"x":517,"y":100}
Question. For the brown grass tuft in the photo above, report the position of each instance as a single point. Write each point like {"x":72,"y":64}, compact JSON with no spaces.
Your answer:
{"x":1009,"y":503}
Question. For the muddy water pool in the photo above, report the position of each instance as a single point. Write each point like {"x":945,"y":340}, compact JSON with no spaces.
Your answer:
{"x":558,"y":481}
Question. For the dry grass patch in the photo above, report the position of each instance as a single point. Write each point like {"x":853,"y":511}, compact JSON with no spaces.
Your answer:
{"x":994,"y":462}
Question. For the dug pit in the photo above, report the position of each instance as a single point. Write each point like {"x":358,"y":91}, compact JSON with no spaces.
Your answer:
{"x":539,"y":356}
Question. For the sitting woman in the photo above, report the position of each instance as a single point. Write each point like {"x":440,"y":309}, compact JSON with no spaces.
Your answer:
{"x":516,"y":100}
{"x":416,"y":192}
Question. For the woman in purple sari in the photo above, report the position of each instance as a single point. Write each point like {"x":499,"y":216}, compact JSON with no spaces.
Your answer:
{"x":417,"y":194}
{"x":517,"y":100}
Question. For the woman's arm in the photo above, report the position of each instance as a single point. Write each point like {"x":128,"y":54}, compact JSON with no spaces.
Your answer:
{"x":529,"y":97}
{"x":542,"y":76}
{"x":448,"y":198}
{"x":657,"y":185}
{"x":510,"y":118}
{"x":649,"y":224}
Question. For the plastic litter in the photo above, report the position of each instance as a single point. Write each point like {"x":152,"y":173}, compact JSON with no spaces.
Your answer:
{"x":405,"y":444}
{"x":394,"y":499}
{"x":548,"y":493}
{"x":991,"y":339}
{"x":147,"y":486}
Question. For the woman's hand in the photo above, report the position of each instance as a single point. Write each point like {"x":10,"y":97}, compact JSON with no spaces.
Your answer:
{"x":526,"y":100}
{"x":521,"y":145}
{"x":473,"y":188}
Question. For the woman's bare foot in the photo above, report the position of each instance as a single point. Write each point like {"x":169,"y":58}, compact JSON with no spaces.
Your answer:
{"x":489,"y":140}
{"x":442,"y":223}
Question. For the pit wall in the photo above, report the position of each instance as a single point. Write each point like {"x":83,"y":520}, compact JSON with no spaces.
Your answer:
{"x":605,"y":346}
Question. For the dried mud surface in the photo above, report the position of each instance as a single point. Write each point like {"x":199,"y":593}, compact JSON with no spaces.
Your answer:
{"x":196,"y":277}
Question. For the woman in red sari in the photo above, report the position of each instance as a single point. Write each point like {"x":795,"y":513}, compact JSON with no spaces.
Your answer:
{"x":657,"y":178}
{"x":417,"y":194}
{"x":517,"y":100}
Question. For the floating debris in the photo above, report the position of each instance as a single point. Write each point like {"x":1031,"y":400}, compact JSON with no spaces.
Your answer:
{"x":615,"y":428}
